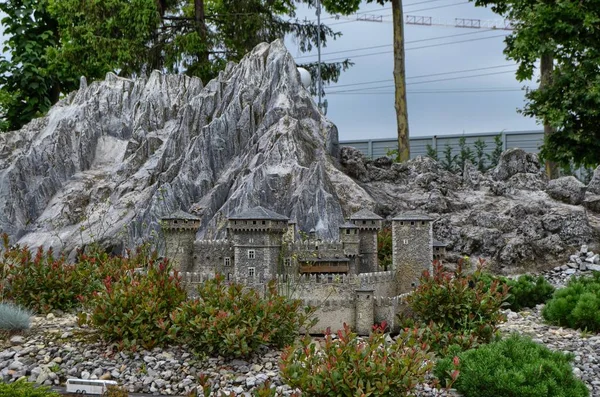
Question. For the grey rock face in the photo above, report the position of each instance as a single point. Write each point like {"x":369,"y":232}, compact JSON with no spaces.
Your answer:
{"x":503,"y":215}
{"x":566,"y":189}
{"x":112,"y":158}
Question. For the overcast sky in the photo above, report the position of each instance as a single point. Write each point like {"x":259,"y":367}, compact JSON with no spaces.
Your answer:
{"x":361,"y":112}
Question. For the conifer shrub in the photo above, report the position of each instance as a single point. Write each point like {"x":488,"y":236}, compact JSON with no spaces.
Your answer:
{"x":350,"y":366}
{"x":134,"y":310}
{"x":234,"y":321}
{"x":21,"y":388}
{"x":459,"y":302}
{"x":13,"y":318}
{"x":525,"y":291}
{"x":577,"y":305}
{"x":515,"y":366}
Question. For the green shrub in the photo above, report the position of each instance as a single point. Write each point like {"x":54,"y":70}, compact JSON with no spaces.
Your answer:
{"x":44,"y":283}
{"x":231,"y":320}
{"x":577,"y":305}
{"x":457,"y":301}
{"x":525,"y":291}
{"x":349,"y":366}
{"x":442,"y":341}
{"x":13,"y":318}
{"x":134,"y":310}
{"x":22,"y":388}
{"x":515,"y":366}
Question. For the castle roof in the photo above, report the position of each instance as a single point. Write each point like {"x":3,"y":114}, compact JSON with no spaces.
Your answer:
{"x":348,"y":225}
{"x":259,"y":213}
{"x":179,"y":214}
{"x":437,"y":243}
{"x":412,"y":217}
{"x":365,"y":214}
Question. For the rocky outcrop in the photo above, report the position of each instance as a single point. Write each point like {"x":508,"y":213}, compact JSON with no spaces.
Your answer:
{"x":112,"y":158}
{"x":567,"y":189}
{"x":505,"y":215}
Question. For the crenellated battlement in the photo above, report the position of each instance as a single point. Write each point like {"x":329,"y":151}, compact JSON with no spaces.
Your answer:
{"x":329,"y":303}
{"x":199,"y":244}
{"x":325,"y":278}
{"x":375,"y":277}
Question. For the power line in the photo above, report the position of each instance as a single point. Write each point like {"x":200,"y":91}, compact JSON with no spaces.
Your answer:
{"x":422,"y":76}
{"x":387,"y":15}
{"x":429,"y":92}
{"x":425,"y":82}
{"x":337,"y":16}
{"x":414,"y":48}
{"x":407,"y":42}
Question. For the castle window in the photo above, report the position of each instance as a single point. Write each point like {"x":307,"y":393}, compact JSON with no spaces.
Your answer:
{"x":287,"y":262}
{"x":174,"y":221}
{"x":316,"y":247}
{"x":264,"y":222}
{"x":251,"y":254}
{"x":180,"y":250}
{"x":422,"y":222}
{"x":364,"y":222}
{"x":405,"y":241}
{"x":372,"y":222}
{"x":250,"y":240}
{"x":412,"y":223}
{"x":227,"y":261}
{"x":251,"y":272}
{"x":347,"y":231}
{"x":254,"y":222}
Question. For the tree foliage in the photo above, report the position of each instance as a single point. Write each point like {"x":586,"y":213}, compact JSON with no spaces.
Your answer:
{"x":53,"y":42}
{"x":569,"y":32}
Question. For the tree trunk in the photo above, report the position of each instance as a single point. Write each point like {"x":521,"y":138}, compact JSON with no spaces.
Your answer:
{"x":200,"y":20}
{"x":400,"y":81}
{"x":546,"y":66}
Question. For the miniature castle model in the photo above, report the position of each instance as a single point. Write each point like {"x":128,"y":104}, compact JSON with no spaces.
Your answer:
{"x":262,"y":245}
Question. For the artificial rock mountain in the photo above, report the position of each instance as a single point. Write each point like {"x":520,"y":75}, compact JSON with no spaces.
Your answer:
{"x":110,"y":159}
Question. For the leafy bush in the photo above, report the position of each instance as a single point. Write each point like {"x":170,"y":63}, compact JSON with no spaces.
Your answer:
{"x":526,"y":291}
{"x":442,"y":341}
{"x":231,"y":320}
{"x":515,"y":366}
{"x":457,"y":301}
{"x":22,"y":388}
{"x":44,"y":283}
{"x":351,"y":366}
{"x":135,"y":309}
{"x":13,"y":318}
{"x":577,"y":305}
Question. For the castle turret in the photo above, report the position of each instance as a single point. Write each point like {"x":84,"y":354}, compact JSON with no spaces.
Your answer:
{"x":351,"y":240}
{"x":412,"y":249}
{"x":369,"y":224}
{"x":257,"y":235}
{"x":179,"y":230}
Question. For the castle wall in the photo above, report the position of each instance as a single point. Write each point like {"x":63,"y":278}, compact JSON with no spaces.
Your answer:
{"x":382,"y":283}
{"x":412,"y":252}
{"x":332,"y":314}
{"x":210,"y":257}
{"x":368,"y":251}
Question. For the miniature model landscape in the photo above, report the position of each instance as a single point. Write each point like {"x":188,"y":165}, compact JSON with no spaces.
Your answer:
{"x":182,"y":229}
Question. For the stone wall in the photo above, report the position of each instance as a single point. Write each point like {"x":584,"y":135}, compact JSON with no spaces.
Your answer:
{"x":382,"y":283}
{"x":210,"y":257}
{"x":179,"y":247}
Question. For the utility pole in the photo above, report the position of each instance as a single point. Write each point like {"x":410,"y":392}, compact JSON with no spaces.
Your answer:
{"x":400,"y":82}
{"x":319,"y":81}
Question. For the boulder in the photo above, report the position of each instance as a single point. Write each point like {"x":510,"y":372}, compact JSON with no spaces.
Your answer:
{"x":594,"y":185}
{"x":567,"y":189}
{"x":515,"y":161}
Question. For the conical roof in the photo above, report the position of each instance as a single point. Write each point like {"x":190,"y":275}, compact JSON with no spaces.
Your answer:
{"x":259,"y":213}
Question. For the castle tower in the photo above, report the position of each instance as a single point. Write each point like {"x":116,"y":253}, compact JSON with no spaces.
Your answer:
{"x":369,"y":224}
{"x":179,"y":230}
{"x":351,"y":240}
{"x":365,"y":311}
{"x":412,"y":249}
{"x":257,"y":235}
